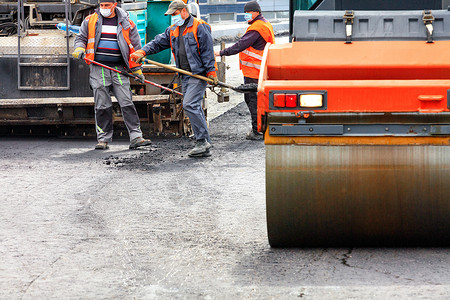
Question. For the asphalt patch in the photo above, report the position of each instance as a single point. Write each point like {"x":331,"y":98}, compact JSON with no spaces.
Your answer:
{"x":227,"y":132}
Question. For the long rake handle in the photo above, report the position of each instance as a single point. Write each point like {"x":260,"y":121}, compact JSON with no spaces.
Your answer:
{"x":175,"y":69}
{"x":132,"y":76}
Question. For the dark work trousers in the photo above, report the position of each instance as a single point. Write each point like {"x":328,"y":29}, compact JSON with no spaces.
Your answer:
{"x":193,"y":92}
{"x":102,"y":82}
{"x":252,"y":102}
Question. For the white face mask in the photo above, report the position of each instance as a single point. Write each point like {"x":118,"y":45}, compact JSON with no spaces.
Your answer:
{"x":177,"y":20}
{"x":106,"y":12}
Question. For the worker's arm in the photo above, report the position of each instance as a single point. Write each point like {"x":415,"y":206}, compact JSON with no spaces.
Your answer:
{"x":247,"y":40}
{"x":160,"y":42}
{"x":81,"y":40}
{"x":135,"y":40}
{"x":82,"y":37}
{"x":206,"y":49}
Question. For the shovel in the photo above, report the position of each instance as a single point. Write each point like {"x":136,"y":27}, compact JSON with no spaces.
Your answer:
{"x":135,"y":77}
{"x":243,"y":88}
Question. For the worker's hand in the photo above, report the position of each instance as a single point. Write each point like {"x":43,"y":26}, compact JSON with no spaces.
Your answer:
{"x":138,"y":56}
{"x":79,"y":53}
{"x":139,"y":77}
{"x":216,"y":53}
{"x":214,"y":78}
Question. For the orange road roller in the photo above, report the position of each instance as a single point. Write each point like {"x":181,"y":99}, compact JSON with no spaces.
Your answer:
{"x":356,"y":115}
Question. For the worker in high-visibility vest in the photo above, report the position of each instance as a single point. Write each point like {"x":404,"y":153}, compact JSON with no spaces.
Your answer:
{"x":108,"y":36}
{"x":192,"y":46}
{"x":250,"y":48}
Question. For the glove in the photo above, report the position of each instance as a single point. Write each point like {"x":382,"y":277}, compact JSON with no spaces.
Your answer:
{"x":139,"y":77}
{"x":138,"y":56}
{"x":79,"y":53}
{"x":214,"y":78}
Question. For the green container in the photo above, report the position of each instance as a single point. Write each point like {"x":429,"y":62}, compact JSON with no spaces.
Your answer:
{"x":139,"y":17}
{"x":156,"y":24}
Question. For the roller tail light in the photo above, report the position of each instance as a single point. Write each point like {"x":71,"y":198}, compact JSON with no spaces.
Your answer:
{"x":309,"y":99}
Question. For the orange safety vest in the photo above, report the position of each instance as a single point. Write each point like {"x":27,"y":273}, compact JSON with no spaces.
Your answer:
{"x":176,"y":33}
{"x":193,"y":29}
{"x":250,"y":59}
{"x":90,"y":48}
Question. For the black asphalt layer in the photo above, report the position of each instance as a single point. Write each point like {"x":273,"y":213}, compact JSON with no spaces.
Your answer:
{"x":152,"y":223}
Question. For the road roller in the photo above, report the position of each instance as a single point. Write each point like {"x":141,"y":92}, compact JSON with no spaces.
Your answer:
{"x":356,"y":116}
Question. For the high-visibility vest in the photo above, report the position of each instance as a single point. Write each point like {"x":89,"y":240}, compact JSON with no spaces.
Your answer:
{"x":176,"y":33}
{"x":250,"y":59}
{"x":193,"y":29}
{"x":90,"y":48}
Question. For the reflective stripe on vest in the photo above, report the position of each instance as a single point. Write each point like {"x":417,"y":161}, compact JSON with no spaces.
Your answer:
{"x":90,"y":48}
{"x":248,"y":64}
{"x":250,"y":59}
{"x":252,"y":54}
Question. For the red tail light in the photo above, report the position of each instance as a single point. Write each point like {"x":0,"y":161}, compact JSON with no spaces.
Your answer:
{"x":279,"y":100}
{"x":291,"y":100}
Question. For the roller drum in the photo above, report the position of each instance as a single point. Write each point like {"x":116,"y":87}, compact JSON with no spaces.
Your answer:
{"x":358,"y":195}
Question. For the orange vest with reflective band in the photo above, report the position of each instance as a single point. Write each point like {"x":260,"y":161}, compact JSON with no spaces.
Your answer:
{"x":90,"y":48}
{"x":250,"y":59}
{"x":176,"y":33}
{"x":193,"y":29}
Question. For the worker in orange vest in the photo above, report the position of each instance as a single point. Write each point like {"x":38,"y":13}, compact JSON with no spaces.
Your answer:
{"x":193,"y":49}
{"x":108,"y":36}
{"x":250,"y":48}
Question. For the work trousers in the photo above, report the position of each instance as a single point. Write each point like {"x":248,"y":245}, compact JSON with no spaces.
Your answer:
{"x":252,"y":103}
{"x":193,"y":92}
{"x":104,"y":81}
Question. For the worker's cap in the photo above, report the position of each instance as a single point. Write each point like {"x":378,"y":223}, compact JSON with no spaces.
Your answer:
{"x":106,"y":1}
{"x":174,"y":6}
{"x":252,"y":6}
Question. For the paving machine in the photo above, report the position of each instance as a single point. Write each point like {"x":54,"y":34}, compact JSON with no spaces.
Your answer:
{"x":44,"y":91}
{"x":356,"y":115}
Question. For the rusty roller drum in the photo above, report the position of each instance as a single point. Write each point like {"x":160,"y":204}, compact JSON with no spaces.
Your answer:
{"x":358,"y":195}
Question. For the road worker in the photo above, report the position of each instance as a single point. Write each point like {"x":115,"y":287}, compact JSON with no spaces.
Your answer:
{"x":108,"y":36}
{"x":192,"y":46}
{"x":250,"y":48}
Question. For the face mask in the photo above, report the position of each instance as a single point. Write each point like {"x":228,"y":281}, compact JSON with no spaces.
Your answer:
{"x":106,"y":12}
{"x":247,"y":16}
{"x":177,"y":20}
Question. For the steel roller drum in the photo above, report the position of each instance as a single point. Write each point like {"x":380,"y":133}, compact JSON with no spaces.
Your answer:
{"x":358,"y":195}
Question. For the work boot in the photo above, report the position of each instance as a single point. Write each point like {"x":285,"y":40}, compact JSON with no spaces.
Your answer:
{"x":101,"y":146}
{"x":254,"y":135}
{"x":201,"y":149}
{"x":138,"y":142}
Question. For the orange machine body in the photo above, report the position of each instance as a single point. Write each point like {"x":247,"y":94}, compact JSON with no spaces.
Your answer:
{"x":361,"y":77}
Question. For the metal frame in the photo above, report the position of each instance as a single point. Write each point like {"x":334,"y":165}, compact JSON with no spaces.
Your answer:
{"x":20,"y":35}
{"x":448,"y":99}
{"x":359,"y":129}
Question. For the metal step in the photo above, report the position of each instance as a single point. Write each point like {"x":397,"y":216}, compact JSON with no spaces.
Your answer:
{"x":44,"y":88}
{"x":43,"y":64}
{"x":50,"y":77}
